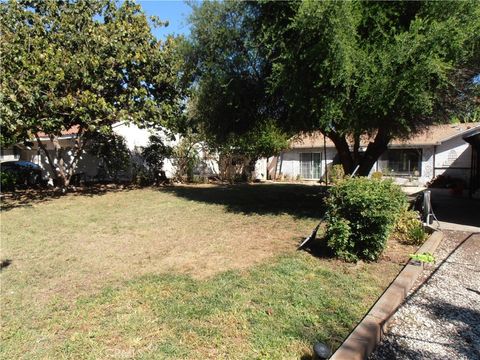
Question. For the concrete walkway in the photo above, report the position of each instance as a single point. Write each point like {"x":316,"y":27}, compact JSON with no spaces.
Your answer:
{"x":441,"y":318}
{"x":455,"y":212}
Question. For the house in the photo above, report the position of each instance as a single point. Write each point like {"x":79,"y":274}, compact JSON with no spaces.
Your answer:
{"x":440,"y":150}
{"x":91,"y":168}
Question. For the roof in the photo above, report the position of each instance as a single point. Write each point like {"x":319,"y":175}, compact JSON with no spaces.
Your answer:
{"x":434,"y":135}
{"x":65,"y":133}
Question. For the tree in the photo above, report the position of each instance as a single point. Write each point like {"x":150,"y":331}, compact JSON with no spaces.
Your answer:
{"x":352,"y":70}
{"x":112,"y":149}
{"x":229,"y":104}
{"x":83,"y":65}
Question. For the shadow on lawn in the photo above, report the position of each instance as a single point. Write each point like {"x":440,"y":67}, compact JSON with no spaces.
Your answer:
{"x":29,"y":197}
{"x":5,"y":263}
{"x":319,"y":249}
{"x":301,"y":201}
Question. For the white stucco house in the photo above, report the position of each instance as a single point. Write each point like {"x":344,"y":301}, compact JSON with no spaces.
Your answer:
{"x":450,"y":150}
{"x":440,"y":150}
{"x":89,"y":166}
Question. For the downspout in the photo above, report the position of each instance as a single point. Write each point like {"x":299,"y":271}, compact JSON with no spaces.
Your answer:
{"x":325,"y":159}
{"x":434,"y":163}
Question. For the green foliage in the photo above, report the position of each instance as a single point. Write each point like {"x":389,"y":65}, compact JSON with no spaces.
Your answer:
{"x":339,"y":238}
{"x":86,"y":64}
{"x":377,"y":175}
{"x":335,"y":174}
{"x":8,"y":181}
{"x":409,"y":228}
{"x":230,"y":104}
{"x":352,"y":68}
{"x":112,"y":150}
{"x":425,"y":257}
{"x":361,"y":214}
{"x":154,"y":155}
{"x":185,"y":157}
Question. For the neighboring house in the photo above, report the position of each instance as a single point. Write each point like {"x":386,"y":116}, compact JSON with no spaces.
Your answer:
{"x":90,"y":167}
{"x":441,"y":150}
{"x":11,"y":153}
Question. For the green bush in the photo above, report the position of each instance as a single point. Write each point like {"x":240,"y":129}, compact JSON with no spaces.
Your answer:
{"x":409,"y":228}
{"x":8,"y":181}
{"x":361,"y":214}
{"x":335,"y":174}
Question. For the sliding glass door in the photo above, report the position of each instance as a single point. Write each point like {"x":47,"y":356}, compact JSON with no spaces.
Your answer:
{"x":310,"y":165}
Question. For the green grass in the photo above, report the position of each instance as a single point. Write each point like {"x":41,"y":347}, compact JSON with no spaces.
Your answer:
{"x":187,"y":273}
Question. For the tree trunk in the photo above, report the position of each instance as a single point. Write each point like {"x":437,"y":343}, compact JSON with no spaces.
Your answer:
{"x":374,"y":150}
{"x":343,"y":151}
{"x":63,"y":180}
{"x":251,"y":169}
{"x":62,"y":174}
{"x":50,"y":162}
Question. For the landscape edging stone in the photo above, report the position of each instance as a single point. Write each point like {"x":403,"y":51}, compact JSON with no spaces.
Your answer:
{"x":368,"y":333}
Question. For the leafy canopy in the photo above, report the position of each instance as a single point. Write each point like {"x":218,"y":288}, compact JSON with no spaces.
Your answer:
{"x":383,"y":69}
{"x":83,"y":63}
{"x":229,"y":103}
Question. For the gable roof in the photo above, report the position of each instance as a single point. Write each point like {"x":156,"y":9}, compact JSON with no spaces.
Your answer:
{"x":434,"y":135}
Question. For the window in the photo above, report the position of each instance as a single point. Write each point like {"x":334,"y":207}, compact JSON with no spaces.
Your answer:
{"x":310,"y":165}
{"x":405,"y":162}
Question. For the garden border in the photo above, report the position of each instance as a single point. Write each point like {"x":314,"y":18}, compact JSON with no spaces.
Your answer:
{"x":367,"y":334}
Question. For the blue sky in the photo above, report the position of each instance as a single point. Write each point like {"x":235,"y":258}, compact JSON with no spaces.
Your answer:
{"x":175,"y":11}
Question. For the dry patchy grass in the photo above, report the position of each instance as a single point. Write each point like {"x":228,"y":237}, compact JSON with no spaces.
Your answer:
{"x":184,"y":272}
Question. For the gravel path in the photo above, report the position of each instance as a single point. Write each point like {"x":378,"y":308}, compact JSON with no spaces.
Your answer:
{"x":441,"y":318}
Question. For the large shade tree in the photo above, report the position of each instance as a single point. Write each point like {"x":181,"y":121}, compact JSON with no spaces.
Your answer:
{"x":229,"y":103}
{"x":377,"y":70}
{"x":83,"y":65}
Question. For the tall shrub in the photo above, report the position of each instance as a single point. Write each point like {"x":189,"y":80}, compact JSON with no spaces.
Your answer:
{"x":360,"y":215}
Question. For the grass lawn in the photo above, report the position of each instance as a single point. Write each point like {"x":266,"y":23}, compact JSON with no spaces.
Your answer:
{"x":182,"y":272}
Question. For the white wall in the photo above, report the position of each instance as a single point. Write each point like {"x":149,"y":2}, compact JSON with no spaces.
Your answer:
{"x":9,"y":154}
{"x":453,"y":158}
{"x":87,"y":164}
{"x":137,"y":138}
{"x":289,"y":161}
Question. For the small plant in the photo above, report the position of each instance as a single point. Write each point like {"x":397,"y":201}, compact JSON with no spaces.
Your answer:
{"x":336,"y":174}
{"x":377,"y":175}
{"x":426,"y":258}
{"x":409,"y":228}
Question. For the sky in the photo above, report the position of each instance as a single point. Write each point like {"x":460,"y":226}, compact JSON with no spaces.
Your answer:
{"x":175,"y":11}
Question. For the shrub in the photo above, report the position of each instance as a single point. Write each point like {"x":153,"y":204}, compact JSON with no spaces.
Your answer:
{"x":8,"y":181}
{"x":361,"y":214}
{"x":154,"y":155}
{"x":112,"y":150}
{"x":336,"y":173}
{"x":409,"y":228}
{"x":377,"y":175}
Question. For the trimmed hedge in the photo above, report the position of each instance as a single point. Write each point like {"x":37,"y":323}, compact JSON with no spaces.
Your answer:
{"x":361,"y":214}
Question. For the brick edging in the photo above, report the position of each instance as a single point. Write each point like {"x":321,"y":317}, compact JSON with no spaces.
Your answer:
{"x":367,"y":334}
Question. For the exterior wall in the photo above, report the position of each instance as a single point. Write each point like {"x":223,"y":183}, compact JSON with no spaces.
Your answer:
{"x":10,"y":154}
{"x":453,"y":158}
{"x":261,"y":169}
{"x":289,"y":162}
{"x":137,"y":138}
{"x":426,"y":172}
{"x":87,"y":164}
